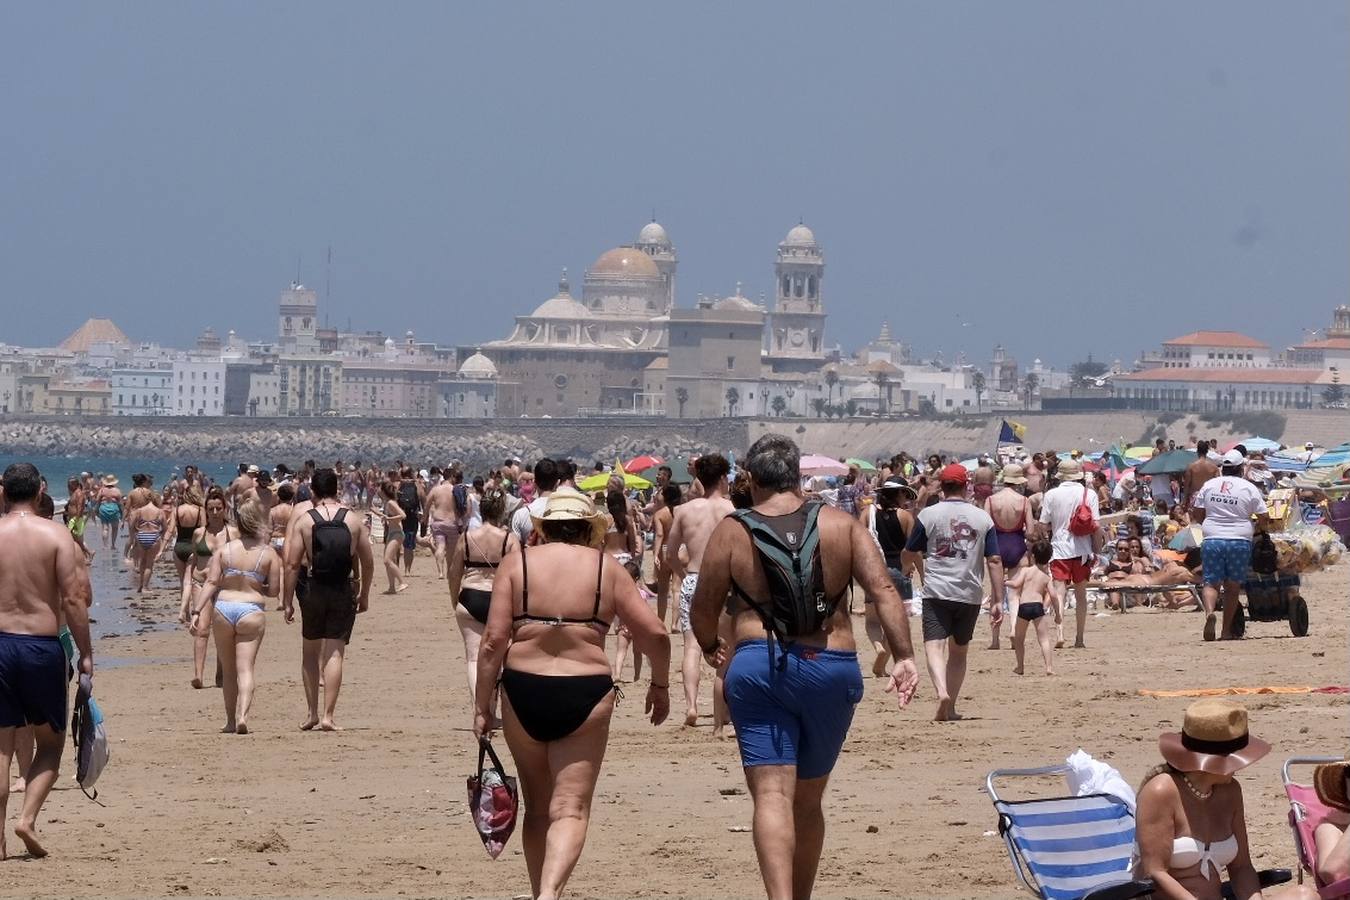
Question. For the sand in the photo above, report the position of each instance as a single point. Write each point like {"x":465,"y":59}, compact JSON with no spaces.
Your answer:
{"x":379,"y":809}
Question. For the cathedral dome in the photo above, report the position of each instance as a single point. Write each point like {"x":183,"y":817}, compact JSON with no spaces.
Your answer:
{"x":800,"y":236}
{"x":653,"y":233}
{"x":478,"y":366}
{"x":561,"y":307}
{"x":625,"y":262}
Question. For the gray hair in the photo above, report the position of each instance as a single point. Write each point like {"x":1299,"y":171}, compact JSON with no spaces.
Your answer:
{"x":774,"y":462}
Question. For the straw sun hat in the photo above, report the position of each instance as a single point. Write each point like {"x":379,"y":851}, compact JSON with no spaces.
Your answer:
{"x":566,"y":505}
{"x":1069,"y":470}
{"x":1213,"y":739}
{"x":1014,"y":474}
{"x":110,"y":480}
{"x":1330,"y":781}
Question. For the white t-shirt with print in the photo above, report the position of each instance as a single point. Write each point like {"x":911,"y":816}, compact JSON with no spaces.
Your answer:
{"x":1229,"y":503}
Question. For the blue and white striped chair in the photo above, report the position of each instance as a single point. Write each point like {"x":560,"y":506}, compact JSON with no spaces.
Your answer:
{"x":1077,"y":848}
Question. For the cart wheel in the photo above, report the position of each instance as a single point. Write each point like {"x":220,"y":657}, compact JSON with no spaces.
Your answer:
{"x":1240,"y":622}
{"x":1298,"y":616}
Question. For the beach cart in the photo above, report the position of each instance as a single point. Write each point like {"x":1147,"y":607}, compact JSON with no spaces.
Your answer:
{"x":1273,"y":598}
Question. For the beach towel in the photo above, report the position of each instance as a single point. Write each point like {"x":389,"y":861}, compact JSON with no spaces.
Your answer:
{"x":1247,"y":691}
{"x":493,"y":801}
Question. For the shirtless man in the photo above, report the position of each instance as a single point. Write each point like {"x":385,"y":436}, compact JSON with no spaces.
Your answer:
{"x":792,"y":720}
{"x":239,"y":489}
{"x":1012,"y":514}
{"x":43,"y":581}
{"x":328,"y":608}
{"x":982,"y":482}
{"x":1035,"y":472}
{"x":669,"y":498}
{"x":1197,"y":473}
{"x":692,"y":525}
{"x":442,"y":519}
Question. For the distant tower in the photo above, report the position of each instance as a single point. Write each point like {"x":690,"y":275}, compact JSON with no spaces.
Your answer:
{"x":653,"y":241}
{"x":798,"y":324}
{"x":1340,"y":323}
{"x":298,"y":323}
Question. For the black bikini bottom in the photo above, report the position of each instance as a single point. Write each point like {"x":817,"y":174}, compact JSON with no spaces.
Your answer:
{"x":476,"y":603}
{"x":550,"y":707}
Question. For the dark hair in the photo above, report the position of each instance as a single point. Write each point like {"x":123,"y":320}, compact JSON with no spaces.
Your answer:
{"x":667,"y":469}
{"x":672,"y":495}
{"x":567,"y":531}
{"x":1041,"y":551}
{"x":1201,"y":448}
{"x":22,"y":482}
{"x":774,"y":462}
{"x":567,"y":471}
{"x":388,"y":489}
{"x":546,"y":474}
{"x":215,"y":493}
{"x":286,"y":493}
{"x":617,"y":504}
{"x":243,"y":468}
{"x":710,"y":469}
{"x":324,"y":484}
{"x":492,"y":508}
{"x":740,"y":495}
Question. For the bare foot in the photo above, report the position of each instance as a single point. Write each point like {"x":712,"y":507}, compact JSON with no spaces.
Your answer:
{"x":1079,"y":645}
{"x":1017,"y":670}
{"x":720,"y":732}
{"x":691,"y":718}
{"x":308,"y":724}
{"x":401,"y":588}
{"x":946,"y":712}
{"x":28,"y":834}
{"x":879,"y":665}
{"x":18,"y":787}
{"x":327,"y":725}
{"x":993,"y":645}
{"x":1050,"y":671}
{"x":1209,"y":627}
{"x":229,"y":728}
{"x":241,"y":728}
{"x":197,"y":683}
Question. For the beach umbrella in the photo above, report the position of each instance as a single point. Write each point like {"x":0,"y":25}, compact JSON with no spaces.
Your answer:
{"x":598,"y":482}
{"x":1253,"y":444}
{"x":1138,"y":453}
{"x":679,"y":471}
{"x":645,"y":461}
{"x":1188,"y":538}
{"x":1168,"y":463}
{"x":861,"y":464}
{"x":816,"y":464}
{"x":1336,"y":456}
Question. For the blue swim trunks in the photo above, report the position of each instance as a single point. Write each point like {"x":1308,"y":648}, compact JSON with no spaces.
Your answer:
{"x":798,"y":715}
{"x":1226,"y":559}
{"x":32,"y":681}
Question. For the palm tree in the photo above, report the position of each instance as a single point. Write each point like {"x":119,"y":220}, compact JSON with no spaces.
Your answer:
{"x":977,"y":382}
{"x":733,"y":397}
{"x":1029,"y":387}
{"x":883,"y":373}
{"x":831,"y":379}
{"x":851,"y":408}
{"x":818,"y":405}
{"x":681,"y":397}
{"x":779,"y":405}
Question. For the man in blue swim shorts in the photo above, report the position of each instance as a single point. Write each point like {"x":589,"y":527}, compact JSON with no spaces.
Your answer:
{"x":1224,"y":507}
{"x":42,"y":580}
{"x":792,"y":698}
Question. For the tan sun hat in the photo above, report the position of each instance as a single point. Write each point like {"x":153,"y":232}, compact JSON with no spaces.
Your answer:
{"x":1213,"y":739}
{"x":567,"y":505}
{"x":1069,"y":470}
{"x":1014,"y":474}
{"x":1330,"y":781}
{"x":110,"y":480}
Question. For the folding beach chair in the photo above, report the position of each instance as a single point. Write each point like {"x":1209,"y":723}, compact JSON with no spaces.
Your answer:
{"x":1306,"y":812}
{"x":1076,"y":848}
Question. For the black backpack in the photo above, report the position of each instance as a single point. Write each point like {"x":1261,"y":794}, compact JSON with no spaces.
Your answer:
{"x":330,"y":557}
{"x":1265,"y":558}
{"x":791,"y":561}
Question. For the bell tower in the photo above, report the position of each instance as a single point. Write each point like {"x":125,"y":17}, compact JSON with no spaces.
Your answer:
{"x":797,"y":330}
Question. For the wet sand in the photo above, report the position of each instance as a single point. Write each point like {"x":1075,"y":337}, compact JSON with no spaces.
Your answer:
{"x":379,"y":809}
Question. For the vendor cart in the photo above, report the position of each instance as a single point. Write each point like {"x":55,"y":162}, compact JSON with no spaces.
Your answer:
{"x":1273,"y":598}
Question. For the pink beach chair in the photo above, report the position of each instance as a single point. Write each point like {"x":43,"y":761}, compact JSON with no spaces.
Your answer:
{"x":1306,"y":812}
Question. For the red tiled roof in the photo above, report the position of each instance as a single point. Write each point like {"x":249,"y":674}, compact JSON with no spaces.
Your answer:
{"x":94,"y":331}
{"x":1216,"y":339}
{"x":1227,"y":375}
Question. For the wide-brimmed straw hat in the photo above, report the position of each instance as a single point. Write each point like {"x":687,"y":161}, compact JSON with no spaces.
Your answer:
{"x":110,"y":480}
{"x":1213,"y":739}
{"x":1329,"y":780}
{"x":1069,"y":470}
{"x":1014,"y":474}
{"x":567,"y":505}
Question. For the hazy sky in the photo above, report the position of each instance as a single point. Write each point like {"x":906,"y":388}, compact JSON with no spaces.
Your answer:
{"x":1066,"y":177}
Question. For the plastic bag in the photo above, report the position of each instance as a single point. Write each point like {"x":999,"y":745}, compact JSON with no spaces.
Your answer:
{"x":1089,"y":776}
{"x":493,"y":801}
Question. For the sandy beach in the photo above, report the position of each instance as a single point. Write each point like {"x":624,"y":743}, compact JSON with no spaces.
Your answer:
{"x":379,"y":809}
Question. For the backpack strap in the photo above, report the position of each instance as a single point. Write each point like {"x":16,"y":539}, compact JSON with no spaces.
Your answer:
{"x":341,"y":515}
{"x":314,"y":514}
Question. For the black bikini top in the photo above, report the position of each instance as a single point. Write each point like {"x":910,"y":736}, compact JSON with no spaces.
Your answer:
{"x":479,"y":563}
{"x":525,"y":616}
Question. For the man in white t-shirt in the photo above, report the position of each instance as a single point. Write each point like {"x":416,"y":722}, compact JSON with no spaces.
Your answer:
{"x":1071,"y":559}
{"x":1224,"y":507}
{"x":546,"y":475}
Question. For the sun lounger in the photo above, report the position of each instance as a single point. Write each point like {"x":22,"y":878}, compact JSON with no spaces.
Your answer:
{"x":1306,"y":812}
{"x":1075,"y":848}
{"x":1142,"y":590}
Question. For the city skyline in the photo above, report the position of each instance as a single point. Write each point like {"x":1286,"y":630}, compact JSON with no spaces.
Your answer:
{"x":1125,"y":176}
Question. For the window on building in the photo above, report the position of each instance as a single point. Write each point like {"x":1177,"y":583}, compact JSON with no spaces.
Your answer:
{"x":731,"y":363}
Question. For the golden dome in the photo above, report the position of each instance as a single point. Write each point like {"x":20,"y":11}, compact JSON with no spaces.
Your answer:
{"x":625,"y":261}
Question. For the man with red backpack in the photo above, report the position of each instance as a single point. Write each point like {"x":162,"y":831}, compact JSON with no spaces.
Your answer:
{"x":1072,"y":514}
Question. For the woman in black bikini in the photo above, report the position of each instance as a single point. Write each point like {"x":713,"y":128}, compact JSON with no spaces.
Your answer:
{"x":551,"y":608}
{"x":472,"y":568}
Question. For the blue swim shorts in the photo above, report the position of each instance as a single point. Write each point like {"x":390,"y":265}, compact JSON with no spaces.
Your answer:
{"x":32,"y":681}
{"x":797,"y":715}
{"x":1226,"y":559}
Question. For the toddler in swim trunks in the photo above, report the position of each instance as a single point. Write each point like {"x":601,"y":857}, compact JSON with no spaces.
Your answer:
{"x":1030,"y":587}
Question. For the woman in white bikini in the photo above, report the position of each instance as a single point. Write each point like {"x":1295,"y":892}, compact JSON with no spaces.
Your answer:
{"x":1191,"y":827}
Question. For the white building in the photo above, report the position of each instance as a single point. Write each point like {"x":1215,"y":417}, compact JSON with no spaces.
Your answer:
{"x":198,"y":387}
{"x":142,"y":392}
{"x":1210,"y":350}
{"x":264,"y":394}
{"x":1222,"y":389}
{"x":472,"y":393}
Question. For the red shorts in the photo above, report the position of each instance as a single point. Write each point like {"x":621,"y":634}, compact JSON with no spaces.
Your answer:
{"x":1074,"y":571}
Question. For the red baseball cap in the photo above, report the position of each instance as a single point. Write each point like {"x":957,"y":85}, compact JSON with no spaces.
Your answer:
{"x":954,"y":473}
